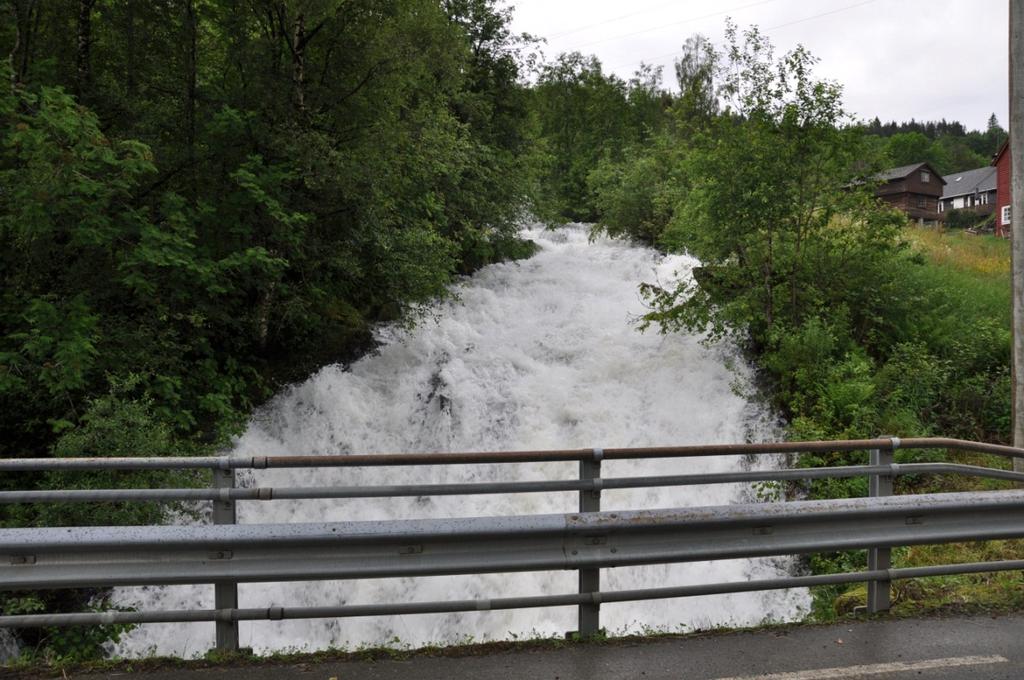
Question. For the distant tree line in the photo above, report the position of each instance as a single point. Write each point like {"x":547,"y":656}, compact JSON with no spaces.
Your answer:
{"x":946,"y":145}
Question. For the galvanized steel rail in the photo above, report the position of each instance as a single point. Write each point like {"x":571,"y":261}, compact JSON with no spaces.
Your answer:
{"x":165,"y":555}
{"x":226,"y":553}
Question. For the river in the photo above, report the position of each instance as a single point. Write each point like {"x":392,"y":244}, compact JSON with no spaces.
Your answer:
{"x":541,"y":353}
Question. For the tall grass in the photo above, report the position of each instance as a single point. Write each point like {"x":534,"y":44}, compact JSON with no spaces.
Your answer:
{"x":982,"y":256}
{"x":970,"y":275}
{"x":965,"y":319}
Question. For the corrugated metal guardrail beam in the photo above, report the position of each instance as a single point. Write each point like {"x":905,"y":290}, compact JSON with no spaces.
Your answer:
{"x":107,"y":556}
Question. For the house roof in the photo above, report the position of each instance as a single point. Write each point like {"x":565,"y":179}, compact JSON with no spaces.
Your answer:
{"x":904,"y":171}
{"x":1002,"y":150}
{"x":969,"y":181}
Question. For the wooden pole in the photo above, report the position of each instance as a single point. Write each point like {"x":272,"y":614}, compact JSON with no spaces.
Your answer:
{"x":1016,"y":152}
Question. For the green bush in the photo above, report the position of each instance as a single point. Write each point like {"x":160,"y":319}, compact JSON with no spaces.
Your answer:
{"x":118,"y":424}
{"x":961,"y":219}
{"x":635,"y":196}
{"x":56,"y":645}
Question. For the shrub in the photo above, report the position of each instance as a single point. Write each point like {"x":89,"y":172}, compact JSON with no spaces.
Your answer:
{"x":961,"y":219}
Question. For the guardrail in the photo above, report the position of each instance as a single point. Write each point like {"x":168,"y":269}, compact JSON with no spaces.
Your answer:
{"x":226,"y":553}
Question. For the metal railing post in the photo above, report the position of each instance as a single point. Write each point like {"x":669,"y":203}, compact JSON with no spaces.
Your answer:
{"x":880,"y":558}
{"x":589,"y":617}
{"x":225,"y":595}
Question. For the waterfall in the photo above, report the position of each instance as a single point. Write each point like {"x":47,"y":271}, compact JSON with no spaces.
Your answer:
{"x":537,"y":354}
{"x":8,"y":647}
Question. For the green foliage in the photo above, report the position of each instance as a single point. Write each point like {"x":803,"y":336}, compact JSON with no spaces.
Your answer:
{"x":59,"y":645}
{"x":961,"y":219}
{"x":773,"y":210}
{"x":114,"y":425}
{"x":695,"y":75}
{"x":636,"y":195}
{"x":200,"y":200}
{"x":587,"y":117}
{"x":264,"y":187}
{"x":856,"y":335}
{"x":909,"y":147}
{"x":947,"y":146}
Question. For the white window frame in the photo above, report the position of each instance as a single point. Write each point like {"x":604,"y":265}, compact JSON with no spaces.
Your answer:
{"x":926,"y":176}
{"x":1005,"y":214}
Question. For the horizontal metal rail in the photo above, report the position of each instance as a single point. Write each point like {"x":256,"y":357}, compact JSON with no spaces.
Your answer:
{"x":449,"y":606}
{"x":264,"y":493}
{"x":475,"y":458}
{"x":226,"y":554}
{"x":109,"y":556}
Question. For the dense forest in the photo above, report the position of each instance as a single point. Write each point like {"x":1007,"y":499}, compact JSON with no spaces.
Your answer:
{"x":948,"y":146}
{"x":203,"y":199}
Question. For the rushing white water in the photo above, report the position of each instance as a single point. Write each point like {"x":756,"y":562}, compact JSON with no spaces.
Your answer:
{"x":536,"y":354}
{"x":8,"y":646}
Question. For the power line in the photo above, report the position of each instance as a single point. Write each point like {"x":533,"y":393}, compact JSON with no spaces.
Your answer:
{"x":823,"y":14}
{"x":770,"y":28}
{"x":613,"y":19}
{"x":675,"y":23}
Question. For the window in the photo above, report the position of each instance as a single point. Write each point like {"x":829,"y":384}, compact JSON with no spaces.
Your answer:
{"x":926,"y":176}
{"x":1006,"y":214}
{"x":922,"y":202}
{"x":942,"y":206}
{"x":983,"y":198}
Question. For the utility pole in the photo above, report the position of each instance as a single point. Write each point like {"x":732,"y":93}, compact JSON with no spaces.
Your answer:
{"x":1016,"y":152}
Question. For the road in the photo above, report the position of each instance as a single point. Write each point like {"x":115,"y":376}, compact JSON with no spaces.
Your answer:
{"x":988,"y":648}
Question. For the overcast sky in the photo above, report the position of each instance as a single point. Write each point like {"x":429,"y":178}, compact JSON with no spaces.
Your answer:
{"x":896,"y":59}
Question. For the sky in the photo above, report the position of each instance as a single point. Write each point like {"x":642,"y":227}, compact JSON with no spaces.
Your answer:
{"x":896,"y":59}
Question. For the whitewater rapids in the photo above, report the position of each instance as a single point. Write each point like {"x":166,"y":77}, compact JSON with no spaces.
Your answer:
{"x":537,"y":354}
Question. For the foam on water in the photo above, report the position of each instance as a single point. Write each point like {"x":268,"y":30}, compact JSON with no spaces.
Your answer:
{"x":536,"y":354}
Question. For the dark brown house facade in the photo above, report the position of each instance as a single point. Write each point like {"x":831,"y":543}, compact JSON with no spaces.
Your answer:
{"x":915,"y":189}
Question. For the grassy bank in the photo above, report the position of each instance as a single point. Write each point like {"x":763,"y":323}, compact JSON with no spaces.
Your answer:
{"x":968,"y":281}
{"x":984,"y":258}
{"x":974,"y":269}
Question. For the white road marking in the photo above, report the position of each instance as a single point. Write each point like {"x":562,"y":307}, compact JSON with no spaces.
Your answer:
{"x":875,"y":669}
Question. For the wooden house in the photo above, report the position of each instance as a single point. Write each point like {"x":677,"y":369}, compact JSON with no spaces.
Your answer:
{"x":915,"y":189}
{"x":1003,"y":199}
{"x":971,"y":190}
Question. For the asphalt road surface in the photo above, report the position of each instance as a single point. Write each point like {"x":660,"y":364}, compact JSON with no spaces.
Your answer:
{"x":989,"y":648}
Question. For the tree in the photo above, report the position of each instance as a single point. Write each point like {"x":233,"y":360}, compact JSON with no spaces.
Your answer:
{"x":906,"y":148}
{"x":695,"y":75}
{"x":583,"y":114}
{"x":236,"y":202}
{"x":585,"y":118}
{"x":778,"y":211}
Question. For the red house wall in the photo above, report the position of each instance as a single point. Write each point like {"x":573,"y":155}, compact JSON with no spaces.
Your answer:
{"x":1002,"y":163}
